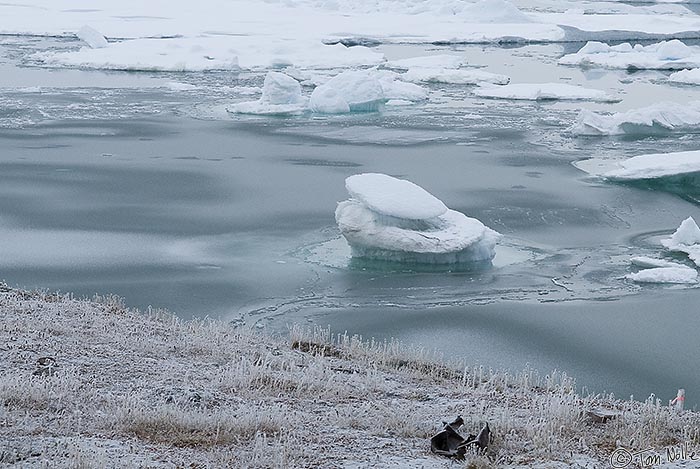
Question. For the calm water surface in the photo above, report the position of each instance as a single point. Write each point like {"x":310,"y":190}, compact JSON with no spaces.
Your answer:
{"x":113,"y":183}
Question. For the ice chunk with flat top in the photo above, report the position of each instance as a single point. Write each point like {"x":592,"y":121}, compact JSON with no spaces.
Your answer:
{"x":649,"y":262}
{"x":92,"y":37}
{"x":395,"y":220}
{"x":393,"y":197}
{"x":454,"y":76}
{"x":544,"y":92}
{"x":679,"y":275}
{"x":664,"y":55}
{"x":663,"y":117}
{"x":656,"y":165}
{"x":281,"y":94}
{"x":350,"y":91}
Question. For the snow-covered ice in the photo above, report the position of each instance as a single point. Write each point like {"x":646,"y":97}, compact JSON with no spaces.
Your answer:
{"x":664,"y":55}
{"x":544,"y":91}
{"x":202,"y":53}
{"x":656,"y":165}
{"x":685,"y":239}
{"x":92,"y":37}
{"x":281,"y":94}
{"x":350,"y":91}
{"x":657,"y":118}
{"x":688,"y":77}
{"x":428,"y":61}
{"x":453,"y":76}
{"x":395,"y":220}
{"x":650,"y":262}
{"x":680,"y":275}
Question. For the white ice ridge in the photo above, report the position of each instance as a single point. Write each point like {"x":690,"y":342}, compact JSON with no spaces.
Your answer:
{"x":685,"y":239}
{"x":680,"y":275}
{"x":453,"y":76}
{"x":688,"y":77}
{"x":655,"y":165}
{"x":395,"y":220}
{"x":649,"y":262}
{"x":206,"y":52}
{"x":665,"y":55}
{"x":660,"y":117}
{"x":281,"y":94}
{"x":544,"y":91}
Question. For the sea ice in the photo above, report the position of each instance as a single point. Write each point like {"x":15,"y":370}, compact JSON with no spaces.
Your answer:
{"x":656,"y":165}
{"x":428,"y":61}
{"x":657,"y":118}
{"x":543,"y":91}
{"x":688,"y":77}
{"x":649,"y":262}
{"x":395,"y":220}
{"x":681,"y":275}
{"x":664,"y":55}
{"x":350,"y":91}
{"x":453,"y":76}
{"x":685,"y":239}
{"x":92,"y":37}
{"x":281,"y":94}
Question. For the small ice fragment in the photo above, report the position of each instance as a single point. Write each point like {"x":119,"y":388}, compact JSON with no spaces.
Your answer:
{"x":92,"y":37}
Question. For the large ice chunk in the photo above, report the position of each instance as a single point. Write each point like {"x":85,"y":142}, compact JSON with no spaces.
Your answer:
{"x":454,"y":76}
{"x":281,"y":94}
{"x":685,"y":239}
{"x":395,"y":220}
{"x":656,"y":165}
{"x":350,"y":91}
{"x":658,"y":118}
{"x":688,"y":77}
{"x":544,"y":91}
{"x":682,"y":275}
{"x":664,"y":55}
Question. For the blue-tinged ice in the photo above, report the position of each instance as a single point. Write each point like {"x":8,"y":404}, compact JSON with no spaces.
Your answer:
{"x":395,"y":220}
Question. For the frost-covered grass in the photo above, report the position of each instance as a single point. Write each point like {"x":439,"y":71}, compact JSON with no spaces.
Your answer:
{"x":147,"y":389}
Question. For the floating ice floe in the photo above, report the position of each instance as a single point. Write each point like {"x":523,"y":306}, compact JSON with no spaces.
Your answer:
{"x":395,"y":220}
{"x":93,"y":38}
{"x":438,"y":61}
{"x":351,"y":91}
{"x":665,"y":55}
{"x":203,"y":53}
{"x":688,"y":77}
{"x":680,"y":275}
{"x":655,"y":165}
{"x":281,"y":94}
{"x":685,"y":239}
{"x":649,"y":262}
{"x":658,"y":118}
{"x":543,"y":91}
{"x":178,"y":86}
{"x":453,"y":76}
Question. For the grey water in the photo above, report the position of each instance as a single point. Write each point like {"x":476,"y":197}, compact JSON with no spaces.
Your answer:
{"x":115,"y":183}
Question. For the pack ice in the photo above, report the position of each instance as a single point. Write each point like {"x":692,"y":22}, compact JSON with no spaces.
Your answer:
{"x":395,"y":220}
{"x":658,"y":118}
{"x":544,"y":91}
{"x":664,"y":55}
{"x":656,"y":165}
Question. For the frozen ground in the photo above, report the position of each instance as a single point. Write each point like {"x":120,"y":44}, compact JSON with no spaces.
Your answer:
{"x":94,"y":384}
